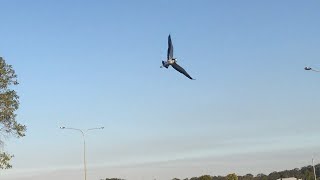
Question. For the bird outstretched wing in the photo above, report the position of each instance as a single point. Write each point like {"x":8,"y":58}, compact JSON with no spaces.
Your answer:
{"x":170,"y":48}
{"x":181,"y":70}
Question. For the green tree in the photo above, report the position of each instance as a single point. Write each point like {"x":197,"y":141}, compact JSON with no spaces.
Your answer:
{"x":262,"y":176}
{"x":218,"y":178}
{"x":274,"y":175}
{"x":232,"y":176}
{"x":246,"y":177}
{"x":9,"y":103}
{"x":205,"y":177}
{"x":309,"y":175}
{"x":249,"y":176}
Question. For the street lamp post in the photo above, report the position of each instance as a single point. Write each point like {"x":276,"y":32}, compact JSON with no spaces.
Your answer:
{"x":314,"y":170}
{"x":84,"y":145}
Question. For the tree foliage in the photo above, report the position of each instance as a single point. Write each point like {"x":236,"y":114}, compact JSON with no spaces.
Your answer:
{"x":9,"y":103}
{"x":232,"y":176}
{"x":305,"y":173}
{"x":205,"y":177}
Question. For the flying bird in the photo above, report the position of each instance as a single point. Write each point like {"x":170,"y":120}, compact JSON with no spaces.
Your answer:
{"x":307,"y":68}
{"x":173,"y":61}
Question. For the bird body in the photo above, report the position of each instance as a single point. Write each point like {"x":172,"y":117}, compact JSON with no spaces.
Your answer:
{"x":307,"y":68}
{"x":173,"y":61}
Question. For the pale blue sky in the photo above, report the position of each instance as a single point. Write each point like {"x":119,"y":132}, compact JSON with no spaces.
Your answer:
{"x":96,"y":63}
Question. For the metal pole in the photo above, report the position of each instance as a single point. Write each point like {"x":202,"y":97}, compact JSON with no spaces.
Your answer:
{"x":84,"y":147}
{"x":314,"y":170}
{"x":84,"y":156}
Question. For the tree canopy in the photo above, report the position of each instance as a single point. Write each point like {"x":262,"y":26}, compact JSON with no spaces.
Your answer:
{"x":9,"y":103}
{"x":232,"y":176}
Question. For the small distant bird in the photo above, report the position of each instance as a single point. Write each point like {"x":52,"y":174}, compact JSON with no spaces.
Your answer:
{"x":173,"y":61}
{"x":307,"y":68}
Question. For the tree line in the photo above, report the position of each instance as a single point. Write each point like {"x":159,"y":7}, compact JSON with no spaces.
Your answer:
{"x":304,"y":173}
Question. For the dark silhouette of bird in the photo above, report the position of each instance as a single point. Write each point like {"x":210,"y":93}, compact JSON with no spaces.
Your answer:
{"x":173,"y":61}
{"x":307,"y":68}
